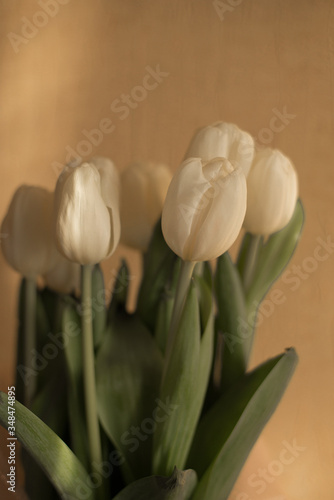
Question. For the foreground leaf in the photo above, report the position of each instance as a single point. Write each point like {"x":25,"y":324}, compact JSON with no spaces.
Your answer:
{"x":128,"y":373}
{"x":177,"y":487}
{"x":58,"y":462}
{"x":229,"y":430}
{"x":185,"y":380}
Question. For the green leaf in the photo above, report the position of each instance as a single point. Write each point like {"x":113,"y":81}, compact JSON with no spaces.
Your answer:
{"x":267,"y":264}
{"x":274,"y":256}
{"x":185,"y":380}
{"x":179,"y":486}
{"x":49,"y":370}
{"x":45,"y":366}
{"x":229,"y":430}
{"x":53,"y":412}
{"x":159,"y":262}
{"x":243,"y":253}
{"x":230,"y":323}
{"x":165,"y":310}
{"x":128,"y":373}
{"x":59,"y":463}
{"x":98,"y":305}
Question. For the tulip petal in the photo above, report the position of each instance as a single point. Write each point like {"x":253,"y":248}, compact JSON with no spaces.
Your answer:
{"x":225,"y":214}
{"x":204,"y":208}
{"x":223,"y":140}
{"x":110,"y":189}
{"x":29,"y":245}
{"x":272,"y":192}
{"x":83,"y":220}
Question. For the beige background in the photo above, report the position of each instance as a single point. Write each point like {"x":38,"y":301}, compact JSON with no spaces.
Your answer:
{"x":261,"y":57}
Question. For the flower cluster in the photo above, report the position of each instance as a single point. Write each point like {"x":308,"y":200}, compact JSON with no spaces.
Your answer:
{"x":168,"y":382}
{"x":224,"y":183}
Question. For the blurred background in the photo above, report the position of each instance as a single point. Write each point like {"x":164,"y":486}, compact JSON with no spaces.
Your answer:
{"x":70,"y":67}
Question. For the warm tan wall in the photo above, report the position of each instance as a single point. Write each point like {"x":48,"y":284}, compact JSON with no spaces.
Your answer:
{"x":261,"y":57}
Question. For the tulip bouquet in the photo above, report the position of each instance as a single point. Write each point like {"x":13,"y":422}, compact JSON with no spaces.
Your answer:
{"x":156,"y":403}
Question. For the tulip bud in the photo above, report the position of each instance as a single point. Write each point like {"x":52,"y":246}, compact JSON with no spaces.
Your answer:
{"x":204,"y":208}
{"x":223,"y":140}
{"x":272,"y":191}
{"x":87,"y":211}
{"x":64,"y":277}
{"x":144,"y":188}
{"x":28,"y":244}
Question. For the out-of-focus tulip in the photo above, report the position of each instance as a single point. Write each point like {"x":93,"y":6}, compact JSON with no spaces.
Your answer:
{"x":224,"y":140}
{"x":272,"y":191}
{"x":87,"y":211}
{"x":204,"y":208}
{"x":27,"y":237}
{"x":64,"y":277}
{"x":144,"y":188}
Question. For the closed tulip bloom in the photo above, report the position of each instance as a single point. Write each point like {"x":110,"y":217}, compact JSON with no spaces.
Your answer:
{"x":204,"y":208}
{"x":87,"y":211}
{"x":224,"y":140}
{"x":272,"y":187}
{"x":27,"y":238}
{"x":64,"y":277}
{"x":144,"y":188}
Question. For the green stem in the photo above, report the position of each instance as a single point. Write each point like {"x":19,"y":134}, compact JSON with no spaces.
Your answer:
{"x":185,"y":275}
{"x":29,"y":337}
{"x":92,"y":422}
{"x":251,"y":261}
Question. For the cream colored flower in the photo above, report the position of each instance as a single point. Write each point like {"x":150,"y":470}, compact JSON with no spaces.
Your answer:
{"x":223,"y":140}
{"x":27,"y":237}
{"x":144,"y":188}
{"x":272,"y":187}
{"x":204,"y":208}
{"x":87,"y":211}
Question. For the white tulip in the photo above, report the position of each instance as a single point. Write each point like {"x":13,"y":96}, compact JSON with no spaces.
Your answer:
{"x":272,"y":187}
{"x":64,"y":277}
{"x":223,"y":140}
{"x":144,"y":188}
{"x":204,"y":208}
{"x":87,"y":211}
{"x":27,"y":237}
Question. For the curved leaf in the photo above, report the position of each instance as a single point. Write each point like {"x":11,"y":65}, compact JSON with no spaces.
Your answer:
{"x":186,"y":380}
{"x":274,"y":256}
{"x":58,"y":462}
{"x":128,"y":374}
{"x":229,"y":430}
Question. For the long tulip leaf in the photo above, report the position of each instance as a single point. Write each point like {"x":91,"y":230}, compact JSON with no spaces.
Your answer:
{"x":185,"y":380}
{"x":61,"y":466}
{"x":229,"y":430}
{"x":128,"y":373}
